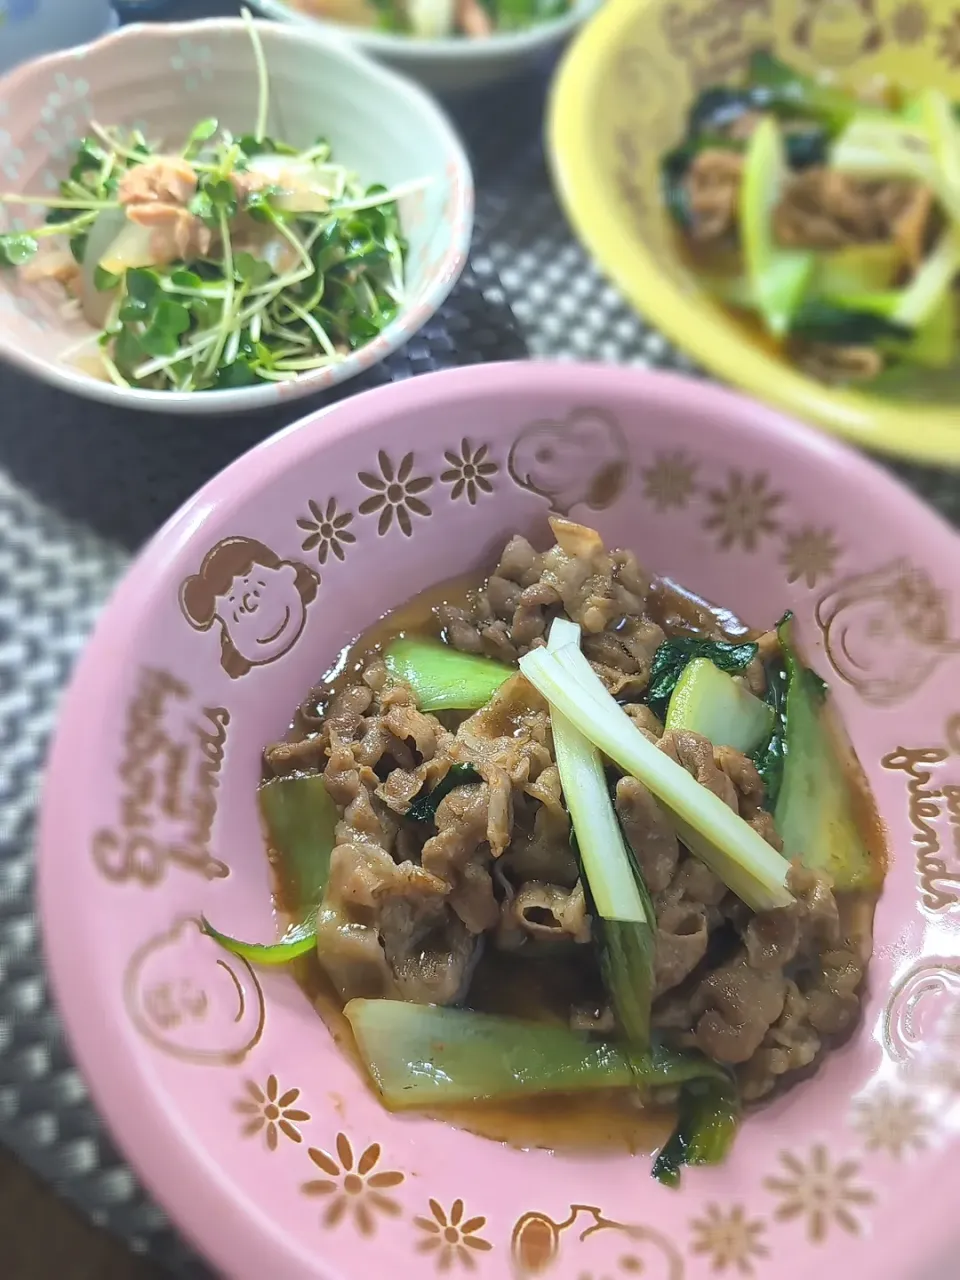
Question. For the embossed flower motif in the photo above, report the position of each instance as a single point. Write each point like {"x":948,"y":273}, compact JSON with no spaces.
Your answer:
{"x":12,"y":157}
{"x":271,"y":1111}
{"x":194,"y":62}
{"x":743,"y":512}
{"x":355,"y":1188}
{"x":821,"y":1193}
{"x":910,"y":23}
{"x":729,"y":1239}
{"x":469,"y":472}
{"x":395,"y":493}
{"x":892,"y":1122}
{"x":810,"y":554}
{"x":450,"y":1238}
{"x":326,"y":530}
{"x":670,"y":481}
{"x":948,"y":47}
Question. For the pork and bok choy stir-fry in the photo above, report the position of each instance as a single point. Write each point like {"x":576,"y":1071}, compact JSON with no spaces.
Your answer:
{"x":223,"y":262}
{"x":570,"y":831}
{"x":829,"y":219}
{"x":435,"y":19}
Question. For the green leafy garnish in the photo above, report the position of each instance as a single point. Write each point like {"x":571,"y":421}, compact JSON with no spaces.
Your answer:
{"x":103,"y":280}
{"x":199,"y":134}
{"x":16,"y":248}
{"x":424,"y":807}
{"x":673,"y":655}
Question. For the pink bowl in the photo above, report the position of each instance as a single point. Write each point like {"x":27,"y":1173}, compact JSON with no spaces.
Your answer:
{"x":222,"y":1085}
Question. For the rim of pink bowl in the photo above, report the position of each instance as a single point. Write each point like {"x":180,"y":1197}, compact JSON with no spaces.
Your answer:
{"x":195,"y":1192}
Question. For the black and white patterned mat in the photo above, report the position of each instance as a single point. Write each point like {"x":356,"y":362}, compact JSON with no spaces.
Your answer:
{"x":81,"y":487}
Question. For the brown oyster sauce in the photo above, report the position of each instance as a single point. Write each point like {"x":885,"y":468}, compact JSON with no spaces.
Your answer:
{"x":540,"y":987}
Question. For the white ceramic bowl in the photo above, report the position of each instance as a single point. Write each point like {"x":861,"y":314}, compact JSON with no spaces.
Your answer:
{"x":452,"y":63}
{"x":163,"y":79}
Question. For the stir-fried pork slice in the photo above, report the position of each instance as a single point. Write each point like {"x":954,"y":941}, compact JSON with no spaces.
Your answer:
{"x":385,"y":929}
{"x":548,"y":912}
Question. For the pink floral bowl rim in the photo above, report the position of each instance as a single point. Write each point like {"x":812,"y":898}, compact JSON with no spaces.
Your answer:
{"x":221,"y":1084}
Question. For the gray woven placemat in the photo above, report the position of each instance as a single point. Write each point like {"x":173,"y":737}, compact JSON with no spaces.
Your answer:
{"x":67,"y":529}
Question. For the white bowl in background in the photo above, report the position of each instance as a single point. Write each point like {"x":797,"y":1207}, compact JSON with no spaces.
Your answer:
{"x":164,"y":78}
{"x":451,"y":63}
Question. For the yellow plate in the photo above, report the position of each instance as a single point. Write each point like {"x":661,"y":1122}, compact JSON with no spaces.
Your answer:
{"x":620,"y":100}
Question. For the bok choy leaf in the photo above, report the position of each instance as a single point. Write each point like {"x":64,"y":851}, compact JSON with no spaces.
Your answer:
{"x":300,"y":822}
{"x":626,"y":923}
{"x":673,"y":656}
{"x":734,"y":851}
{"x":442,"y":678}
{"x":709,"y":1115}
{"x":424,"y":807}
{"x":429,"y":1056}
{"x":297,"y":941}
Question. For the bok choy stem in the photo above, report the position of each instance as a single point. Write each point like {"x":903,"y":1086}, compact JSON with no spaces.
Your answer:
{"x":735,"y":852}
{"x":428,"y":1056}
{"x":442,"y":678}
{"x":626,"y":924}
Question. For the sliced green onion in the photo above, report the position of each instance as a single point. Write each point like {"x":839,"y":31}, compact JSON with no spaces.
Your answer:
{"x":442,"y":678}
{"x":428,"y":1056}
{"x":627,"y":922}
{"x":742,"y":859}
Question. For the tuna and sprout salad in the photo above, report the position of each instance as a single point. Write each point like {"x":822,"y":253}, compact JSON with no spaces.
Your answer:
{"x":434,"y":19}
{"x":826,"y":218}
{"x":225,"y":262}
{"x":566,"y":845}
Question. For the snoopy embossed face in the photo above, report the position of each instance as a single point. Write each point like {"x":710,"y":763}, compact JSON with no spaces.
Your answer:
{"x":579,"y":459}
{"x":885,"y":631}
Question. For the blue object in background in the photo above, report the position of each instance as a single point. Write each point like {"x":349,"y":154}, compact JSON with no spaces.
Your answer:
{"x":130,"y":10}
{"x":29,"y":28}
{"x":18,"y":10}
